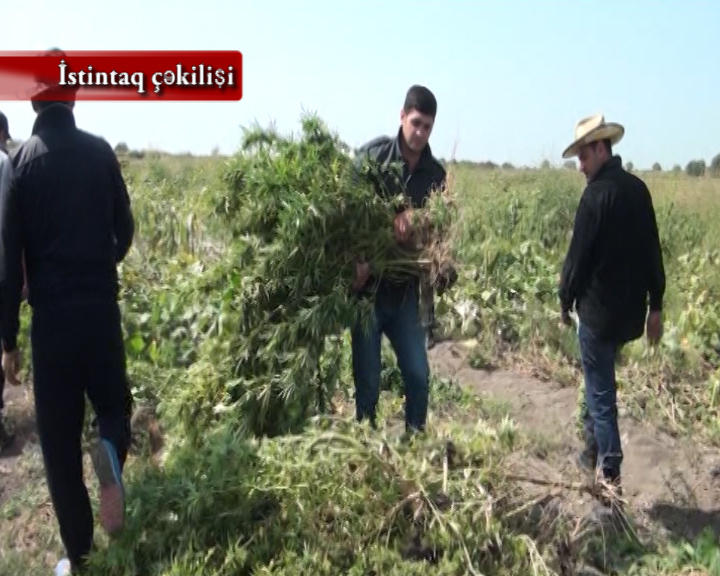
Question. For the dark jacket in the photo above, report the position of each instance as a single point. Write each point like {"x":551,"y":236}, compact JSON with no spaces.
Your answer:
{"x":68,"y":211}
{"x":614,"y":262}
{"x":428,"y":173}
{"x":393,"y":177}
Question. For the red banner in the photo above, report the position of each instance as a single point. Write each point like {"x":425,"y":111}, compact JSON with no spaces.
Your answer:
{"x":121,"y":75}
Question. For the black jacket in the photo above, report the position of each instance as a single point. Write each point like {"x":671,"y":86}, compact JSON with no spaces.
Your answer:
{"x":614,"y":261}
{"x":68,"y":212}
{"x":428,"y":173}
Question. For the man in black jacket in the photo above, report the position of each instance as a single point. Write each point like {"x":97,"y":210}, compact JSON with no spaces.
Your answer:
{"x":69,"y":212}
{"x":5,"y":178}
{"x":613,"y":267}
{"x":397,"y":304}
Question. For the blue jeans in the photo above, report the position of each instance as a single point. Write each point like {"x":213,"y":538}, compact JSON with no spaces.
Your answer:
{"x":396,"y":315}
{"x":602,"y":437}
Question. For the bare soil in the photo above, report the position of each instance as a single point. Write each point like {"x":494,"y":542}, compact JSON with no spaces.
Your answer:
{"x":671,"y":484}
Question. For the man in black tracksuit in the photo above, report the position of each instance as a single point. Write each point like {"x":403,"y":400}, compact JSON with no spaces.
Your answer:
{"x":612,"y":273}
{"x":69,"y":212}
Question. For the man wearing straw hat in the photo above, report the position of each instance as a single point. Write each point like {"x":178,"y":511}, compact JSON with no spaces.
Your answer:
{"x":612,"y":273}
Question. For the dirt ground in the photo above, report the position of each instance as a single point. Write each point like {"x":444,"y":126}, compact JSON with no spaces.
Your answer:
{"x":20,"y":415}
{"x":670,"y":484}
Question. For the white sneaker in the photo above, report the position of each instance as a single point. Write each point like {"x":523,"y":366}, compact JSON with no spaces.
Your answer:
{"x":63,"y":568}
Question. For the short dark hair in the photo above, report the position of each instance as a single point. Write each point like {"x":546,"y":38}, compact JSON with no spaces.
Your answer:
{"x":48,"y":91}
{"x":421,"y":99}
{"x":4,"y":125}
{"x":40,"y":105}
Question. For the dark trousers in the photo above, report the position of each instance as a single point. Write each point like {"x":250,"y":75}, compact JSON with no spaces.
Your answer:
{"x":2,"y":389}
{"x":396,"y":314}
{"x":602,"y":437}
{"x":77,"y":350}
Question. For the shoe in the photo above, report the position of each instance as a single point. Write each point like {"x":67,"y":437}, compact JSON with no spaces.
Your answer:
{"x":587,"y":461}
{"x":412,"y":431}
{"x":608,"y":516}
{"x":63,"y":568}
{"x":429,"y":339}
{"x":6,"y":439}
{"x":112,"y":493}
{"x":609,"y":491}
{"x":611,"y":479}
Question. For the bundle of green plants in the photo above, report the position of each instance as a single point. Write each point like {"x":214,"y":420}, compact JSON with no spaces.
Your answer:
{"x":302,"y":212}
{"x":339,"y":498}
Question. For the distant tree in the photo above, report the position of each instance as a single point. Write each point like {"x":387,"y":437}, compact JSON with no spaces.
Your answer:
{"x":656,"y":167}
{"x":715,"y":166}
{"x":629,"y":166}
{"x":121,"y":148}
{"x":677,"y":168}
{"x":545,"y":164}
{"x":507,"y":166}
{"x":695,"y":168}
{"x":570,"y":165}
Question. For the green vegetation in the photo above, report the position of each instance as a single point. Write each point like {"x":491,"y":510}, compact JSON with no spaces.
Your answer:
{"x":513,"y":233}
{"x":235,"y":302}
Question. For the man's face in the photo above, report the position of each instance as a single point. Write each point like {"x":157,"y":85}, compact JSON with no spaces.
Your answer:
{"x":416,"y":129}
{"x":592,"y":156}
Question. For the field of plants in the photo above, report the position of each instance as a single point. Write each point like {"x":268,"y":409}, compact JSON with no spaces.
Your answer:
{"x":236,"y":302}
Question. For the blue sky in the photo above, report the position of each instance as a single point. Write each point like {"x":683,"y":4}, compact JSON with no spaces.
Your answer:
{"x":511,"y":77}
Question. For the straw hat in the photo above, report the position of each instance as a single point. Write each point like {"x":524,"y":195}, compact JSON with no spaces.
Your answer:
{"x":592,"y":129}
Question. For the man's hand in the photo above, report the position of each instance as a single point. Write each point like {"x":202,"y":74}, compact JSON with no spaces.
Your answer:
{"x":11,"y":366}
{"x":402,"y":226}
{"x":362,"y":273}
{"x":566,"y":319}
{"x":654,"y":327}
